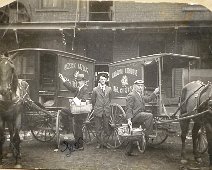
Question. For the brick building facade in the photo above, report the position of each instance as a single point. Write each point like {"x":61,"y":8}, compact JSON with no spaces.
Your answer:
{"x":108,"y":31}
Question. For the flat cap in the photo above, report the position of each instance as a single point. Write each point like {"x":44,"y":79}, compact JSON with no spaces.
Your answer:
{"x":80,"y":77}
{"x":139,"y":82}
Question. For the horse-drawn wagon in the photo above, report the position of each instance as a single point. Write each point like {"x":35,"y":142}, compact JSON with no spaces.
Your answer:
{"x":40,"y":68}
{"x":158,"y":70}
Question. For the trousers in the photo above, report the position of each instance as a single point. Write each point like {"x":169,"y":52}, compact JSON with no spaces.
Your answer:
{"x":77,"y":126}
{"x":102,"y":127}
{"x":140,"y":119}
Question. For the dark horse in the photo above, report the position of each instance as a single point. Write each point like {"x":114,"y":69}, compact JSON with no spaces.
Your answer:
{"x":196,"y":98}
{"x":10,"y":108}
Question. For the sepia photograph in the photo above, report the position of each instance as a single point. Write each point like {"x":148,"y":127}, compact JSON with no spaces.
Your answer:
{"x":106,"y":84}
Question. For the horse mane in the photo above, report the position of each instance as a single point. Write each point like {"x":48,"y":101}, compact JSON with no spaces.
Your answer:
{"x":14,"y":81}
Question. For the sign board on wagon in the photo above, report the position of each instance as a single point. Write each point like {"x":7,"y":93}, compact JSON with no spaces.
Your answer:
{"x":122,"y":76}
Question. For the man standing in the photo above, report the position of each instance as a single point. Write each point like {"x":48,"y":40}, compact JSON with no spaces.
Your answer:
{"x":81,"y":92}
{"x":101,"y":99}
{"x":135,"y":109}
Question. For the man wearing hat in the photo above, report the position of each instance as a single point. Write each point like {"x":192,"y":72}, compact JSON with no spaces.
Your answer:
{"x":82,"y":93}
{"x":101,"y":99}
{"x":135,"y":109}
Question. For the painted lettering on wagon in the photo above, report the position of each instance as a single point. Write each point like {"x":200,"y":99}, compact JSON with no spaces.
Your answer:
{"x":122,"y":90}
{"x":79,"y":66}
{"x":127,"y":70}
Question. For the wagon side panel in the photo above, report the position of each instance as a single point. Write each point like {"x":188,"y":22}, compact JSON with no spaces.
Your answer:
{"x":122,"y":77}
{"x":69,"y":67}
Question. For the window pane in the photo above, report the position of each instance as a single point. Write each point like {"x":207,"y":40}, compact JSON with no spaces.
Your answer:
{"x":52,"y":3}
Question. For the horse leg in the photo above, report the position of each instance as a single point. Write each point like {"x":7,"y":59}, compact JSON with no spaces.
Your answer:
{"x":11,"y":132}
{"x":184,"y":125}
{"x":208,"y":127}
{"x":195,"y":131}
{"x":17,"y":141}
{"x":2,"y":139}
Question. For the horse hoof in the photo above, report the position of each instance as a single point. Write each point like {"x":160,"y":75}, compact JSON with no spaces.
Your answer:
{"x":9,"y":155}
{"x":198,"y":160}
{"x":183,"y":161}
{"x":18,"y":166}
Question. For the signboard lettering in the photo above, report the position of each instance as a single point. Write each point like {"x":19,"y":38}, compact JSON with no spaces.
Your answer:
{"x":123,"y":76}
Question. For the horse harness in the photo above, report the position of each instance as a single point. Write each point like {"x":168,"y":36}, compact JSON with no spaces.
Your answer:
{"x":11,"y":63}
{"x":200,"y":105}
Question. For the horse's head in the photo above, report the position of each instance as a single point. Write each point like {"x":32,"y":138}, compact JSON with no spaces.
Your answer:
{"x":8,"y":77}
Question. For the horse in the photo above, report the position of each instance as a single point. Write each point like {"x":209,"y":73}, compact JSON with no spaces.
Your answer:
{"x":196,"y":102}
{"x":10,"y":108}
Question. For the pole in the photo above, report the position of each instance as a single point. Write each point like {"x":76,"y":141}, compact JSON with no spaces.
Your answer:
{"x":160,"y":96}
{"x":189,"y":72}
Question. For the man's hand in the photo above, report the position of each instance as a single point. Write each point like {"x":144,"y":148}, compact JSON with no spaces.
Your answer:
{"x":156,"y":90}
{"x":62,"y":78}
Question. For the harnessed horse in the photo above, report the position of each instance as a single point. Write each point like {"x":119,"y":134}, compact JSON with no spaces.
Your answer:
{"x":10,"y":108}
{"x":196,"y":98}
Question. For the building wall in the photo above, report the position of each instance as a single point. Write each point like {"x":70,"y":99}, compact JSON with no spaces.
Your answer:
{"x":123,"y":12}
{"x":150,"y":12}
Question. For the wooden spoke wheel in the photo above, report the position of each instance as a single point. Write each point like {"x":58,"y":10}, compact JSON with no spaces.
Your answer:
{"x":202,"y":144}
{"x":43,"y":127}
{"x":88,"y":129}
{"x":141,"y":144}
{"x":58,"y":129}
{"x":117,"y":118}
{"x":161,"y":135}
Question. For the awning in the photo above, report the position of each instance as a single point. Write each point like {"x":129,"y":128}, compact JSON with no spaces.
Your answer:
{"x":5,"y":2}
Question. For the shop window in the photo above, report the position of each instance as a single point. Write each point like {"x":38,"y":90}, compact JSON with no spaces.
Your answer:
{"x":100,"y":10}
{"x":52,"y":4}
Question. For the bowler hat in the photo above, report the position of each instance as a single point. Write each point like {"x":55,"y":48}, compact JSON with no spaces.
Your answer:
{"x":139,"y":82}
{"x":80,"y":77}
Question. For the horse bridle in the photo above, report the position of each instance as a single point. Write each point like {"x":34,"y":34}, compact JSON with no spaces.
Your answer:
{"x":11,"y":81}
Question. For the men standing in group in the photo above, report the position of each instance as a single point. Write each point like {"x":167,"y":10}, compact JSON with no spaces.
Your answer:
{"x":82,"y":93}
{"x":135,"y":110}
{"x":101,"y":99}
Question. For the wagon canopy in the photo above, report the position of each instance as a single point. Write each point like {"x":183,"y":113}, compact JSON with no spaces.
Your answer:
{"x":149,"y":68}
{"x":40,"y":67}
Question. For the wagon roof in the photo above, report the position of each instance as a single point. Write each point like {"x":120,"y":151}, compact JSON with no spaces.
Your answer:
{"x":62,"y":53}
{"x":155,"y":56}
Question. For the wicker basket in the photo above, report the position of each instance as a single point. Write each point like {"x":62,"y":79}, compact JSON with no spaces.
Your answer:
{"x":82,"y":109}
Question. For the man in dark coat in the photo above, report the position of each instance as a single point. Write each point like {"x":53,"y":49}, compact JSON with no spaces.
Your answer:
{"x":101,"y":99}
{"x":135,"y":109}
{"x":82,"y":93}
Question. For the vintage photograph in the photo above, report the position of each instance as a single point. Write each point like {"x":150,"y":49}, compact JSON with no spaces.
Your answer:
{"x":106,"y":84}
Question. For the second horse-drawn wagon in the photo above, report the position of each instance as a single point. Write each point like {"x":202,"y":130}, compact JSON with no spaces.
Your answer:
{"x":159,"y":70}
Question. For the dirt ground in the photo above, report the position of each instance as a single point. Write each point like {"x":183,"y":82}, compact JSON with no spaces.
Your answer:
{"x":163,"y":157}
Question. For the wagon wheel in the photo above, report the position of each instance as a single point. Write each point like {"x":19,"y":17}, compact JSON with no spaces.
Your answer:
{"x":161,"y":135}
{"x":88,"y":129}
{"x":58,"y":129}
{"x":43,"y":127}
{"x":142,"y":144}
{"x":202,"y":144}
{"x":117,"y":118}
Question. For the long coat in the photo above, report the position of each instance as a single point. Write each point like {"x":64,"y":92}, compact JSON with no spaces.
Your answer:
{"x":136,"y":103}
{"x":101,"y":101}
{"x":82,"y":94}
